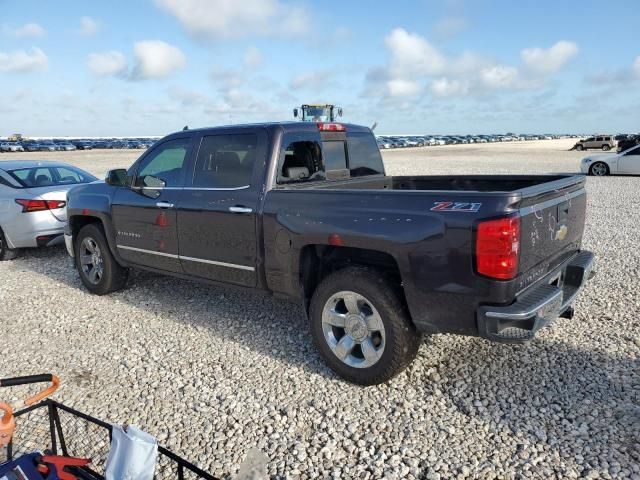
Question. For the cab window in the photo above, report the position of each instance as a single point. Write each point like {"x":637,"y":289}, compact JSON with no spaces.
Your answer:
{"x":364,"y":155}
{"x":225,"y":161}
{"x":300,"y":159}
{"x":163,"y":166}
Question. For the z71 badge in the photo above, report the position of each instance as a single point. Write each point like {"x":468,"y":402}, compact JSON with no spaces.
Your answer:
{"x":455,"y":207}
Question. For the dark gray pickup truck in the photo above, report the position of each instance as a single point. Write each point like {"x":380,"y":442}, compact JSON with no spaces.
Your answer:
{"x":305,"y":211}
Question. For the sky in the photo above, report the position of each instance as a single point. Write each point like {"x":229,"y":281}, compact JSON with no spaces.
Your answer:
{"x":149,"y":67}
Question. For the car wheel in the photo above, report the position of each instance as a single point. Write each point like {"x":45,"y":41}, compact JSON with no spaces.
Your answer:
{"x":606,"y":148}
{"x":99,"y":271}
{"x":599,"y":169}
{"x":6,"y":253}
{"x":361,"y":327}
{"x":579,"y":148}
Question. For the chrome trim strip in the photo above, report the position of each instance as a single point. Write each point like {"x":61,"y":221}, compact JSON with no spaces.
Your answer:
{"x":221,"y":264}
{"x":221,"y":189}
{"x":142,"y":250}
{"x":191,"y":259}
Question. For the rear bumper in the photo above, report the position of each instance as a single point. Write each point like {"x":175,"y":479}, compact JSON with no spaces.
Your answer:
{"x":537,"y":306}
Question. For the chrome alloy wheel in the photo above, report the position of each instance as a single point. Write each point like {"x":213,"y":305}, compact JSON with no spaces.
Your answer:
{"x":353,"y":329}
{"x":91,"y":260}
{"x":599,"y":169}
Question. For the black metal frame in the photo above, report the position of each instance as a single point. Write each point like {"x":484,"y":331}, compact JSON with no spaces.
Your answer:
{"x":59,"y":446}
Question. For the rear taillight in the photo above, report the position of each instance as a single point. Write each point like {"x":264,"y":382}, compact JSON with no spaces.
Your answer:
{"x":40,"y":205}
{"x":331,"y":127}
{"x":498,"y":248}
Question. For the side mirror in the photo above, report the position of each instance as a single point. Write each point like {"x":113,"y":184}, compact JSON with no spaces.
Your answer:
{"x":295,"y":113}
{"x":117,"y":178}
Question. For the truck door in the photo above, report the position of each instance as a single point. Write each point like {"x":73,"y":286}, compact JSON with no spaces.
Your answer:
{"x":144,"y":215}
{"x":630,"y":162}
{"x":217,"y":214}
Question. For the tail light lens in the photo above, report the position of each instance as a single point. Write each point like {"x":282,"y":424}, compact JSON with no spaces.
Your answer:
{"x":40,"y":205}
{"x":498,"y":248}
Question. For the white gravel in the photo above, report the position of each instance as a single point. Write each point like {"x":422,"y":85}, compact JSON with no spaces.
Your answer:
{"x":213,"y":372}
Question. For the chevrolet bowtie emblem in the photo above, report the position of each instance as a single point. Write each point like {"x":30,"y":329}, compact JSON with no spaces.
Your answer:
{"x":561,"y":232}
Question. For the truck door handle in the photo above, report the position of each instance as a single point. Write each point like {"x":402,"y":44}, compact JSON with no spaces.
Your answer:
{"x":164,"y":205}
{"x":240,"y":209}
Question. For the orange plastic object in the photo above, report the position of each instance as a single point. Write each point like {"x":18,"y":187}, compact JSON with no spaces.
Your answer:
{"x":7,"y":424}
{"x":58,"y":464}
{"x":55,"y":383}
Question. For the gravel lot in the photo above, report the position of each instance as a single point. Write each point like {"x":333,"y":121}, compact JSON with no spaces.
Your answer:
{"x":213,"y":372}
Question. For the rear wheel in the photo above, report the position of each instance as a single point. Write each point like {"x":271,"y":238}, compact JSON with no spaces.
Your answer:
{"x":99,"y":271}
{"x":606,"y":148}
{"x":361,"y":327}
{"x":6,"y":253}
{"x":579,"y":147}
{"x":599,"y":169}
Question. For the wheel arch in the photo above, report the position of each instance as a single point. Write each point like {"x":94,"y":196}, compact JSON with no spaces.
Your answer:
{"x":317,"y":261}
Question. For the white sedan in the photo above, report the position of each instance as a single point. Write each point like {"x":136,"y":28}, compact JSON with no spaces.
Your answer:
{"x":623,"y":163}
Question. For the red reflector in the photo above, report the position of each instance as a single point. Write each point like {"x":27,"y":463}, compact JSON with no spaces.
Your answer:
{"x":335,"y":240}
{"x":39,"y":205}
{"x":331,"y":127}
{"x":498,"y":248}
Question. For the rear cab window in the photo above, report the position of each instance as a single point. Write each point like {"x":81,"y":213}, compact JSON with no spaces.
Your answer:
{"x":310,"y":156}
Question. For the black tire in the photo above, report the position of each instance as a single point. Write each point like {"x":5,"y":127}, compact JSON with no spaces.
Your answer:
{"x":6,"y":253}
{"x":401,"y":341}
{"x":579,"y":147}
{"x":606,"y":148}
{"x":597,"y":166}
{"x":113,"y":277}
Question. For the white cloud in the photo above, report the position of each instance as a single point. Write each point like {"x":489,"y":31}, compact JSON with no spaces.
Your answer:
{"x":499,"y":76}
{"x":252,"y":57}
{"x":233,"y":18}
{"x":550,"y":60}
{"x":403,"y":88}
{"x":28,"y":30}
{"x":156,"y":59}
{"x":88,"y":26}
{"x":21,"y":61}
{"x":188,"y":97}
{"x":107,"y":63}
{"x":412,"y":54}
{"x":636,"y":67}
{"x":444,"y":87}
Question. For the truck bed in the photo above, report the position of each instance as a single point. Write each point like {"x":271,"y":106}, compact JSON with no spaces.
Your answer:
{"x":456,"y":183}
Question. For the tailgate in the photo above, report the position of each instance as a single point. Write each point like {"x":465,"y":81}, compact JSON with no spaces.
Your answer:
{"x":551,"y":228}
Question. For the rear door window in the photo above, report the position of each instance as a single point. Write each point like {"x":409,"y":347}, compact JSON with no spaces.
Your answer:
{"x":300,"y":158}
{"x":598,"y":139}
{"x":364,"y":155}
{"x":225,"y":161}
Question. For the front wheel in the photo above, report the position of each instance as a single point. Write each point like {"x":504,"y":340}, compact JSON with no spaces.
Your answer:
{"x":579,"y":148}
{"x":99,"y":271}
{"x":361,"y":327}
{"x":599,"y":169}
{"x":6,"y":253}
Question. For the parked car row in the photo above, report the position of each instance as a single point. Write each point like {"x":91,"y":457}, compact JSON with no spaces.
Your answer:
{"x":430,"y":140}
{"x":57,"y":145}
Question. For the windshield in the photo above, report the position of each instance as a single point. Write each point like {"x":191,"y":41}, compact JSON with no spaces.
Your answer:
{"x":316,"y":114}
{"x":50,"y":176}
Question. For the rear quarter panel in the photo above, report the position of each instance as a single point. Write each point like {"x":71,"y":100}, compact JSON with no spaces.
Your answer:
{"x":433,"y":250}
